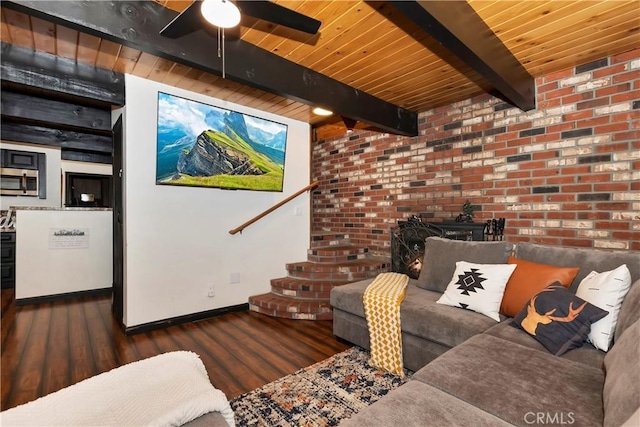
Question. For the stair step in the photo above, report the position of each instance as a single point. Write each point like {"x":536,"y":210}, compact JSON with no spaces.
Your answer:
{"x":304,"y":294}
{"x":301,"y":288}
{"x":346,"y":271}
{"x":329,"y":239}
{"x":289,"y":308}
{"x":336,"y":253}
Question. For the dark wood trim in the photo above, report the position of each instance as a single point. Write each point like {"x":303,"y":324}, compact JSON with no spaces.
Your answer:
{"x":117,"y":200}
{"x":57,"y":76}
{"x":56,"y":137}
{"x":160,"y":324}
{"x":35,"y":110}
{"x":138,"y":25}
{"x":62,"y":297}
{"x":42,"y":176}
{"x":84,"y":156}
{"x":457,"y":26}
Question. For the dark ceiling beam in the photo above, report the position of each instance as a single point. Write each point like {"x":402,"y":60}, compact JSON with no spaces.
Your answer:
{"x":35,"y":110}
{"x":457,"y":26}
{"x":44,"y":73}
{"x":55,"y":137}
{"x":137,"y":24}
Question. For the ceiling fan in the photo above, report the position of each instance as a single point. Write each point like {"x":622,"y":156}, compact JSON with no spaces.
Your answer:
{"x":227,"y":13}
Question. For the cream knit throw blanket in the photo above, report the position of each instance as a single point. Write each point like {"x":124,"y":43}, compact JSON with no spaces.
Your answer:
{"x":382,"y":300}
{"x":166,"y":390}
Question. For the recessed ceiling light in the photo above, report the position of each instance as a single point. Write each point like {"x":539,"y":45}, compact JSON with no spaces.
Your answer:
{"x":322,"y":112}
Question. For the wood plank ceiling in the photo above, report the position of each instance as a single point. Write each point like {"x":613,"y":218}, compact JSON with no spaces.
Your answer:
{"x":367,"y":45}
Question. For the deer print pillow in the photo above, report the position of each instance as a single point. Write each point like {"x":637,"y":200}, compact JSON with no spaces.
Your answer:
{"x":558,"y":319}
{"x":478,"y":287}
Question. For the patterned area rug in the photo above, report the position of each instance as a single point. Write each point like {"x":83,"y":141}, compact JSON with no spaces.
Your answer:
{"x":320,"y":395}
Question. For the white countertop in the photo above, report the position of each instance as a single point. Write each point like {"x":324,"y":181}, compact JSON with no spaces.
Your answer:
{"x":49,"y":208}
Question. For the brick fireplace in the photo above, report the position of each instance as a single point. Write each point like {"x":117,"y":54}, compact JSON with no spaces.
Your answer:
{"x":567,"y":173}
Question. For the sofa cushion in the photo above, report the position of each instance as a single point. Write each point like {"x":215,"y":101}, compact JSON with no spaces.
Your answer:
{"x":423,"y":317}
{"x":441,"y":255}
{"x":529,"y":279}
{"x":558,"y":319}
{"x":418,"y":404}
{"x":633,"y":420}
{"x":607,"y":291}
{"x":621,"y":394}
{"x":477,"y":287}
{"x":629,"y":311}
{"x":349,"y":297}
{"x":587,"y":354}
{"x":416,"y":351}
{"x":588,"y":259}
{"x":420,"y":315}
{"x":511,"y":381}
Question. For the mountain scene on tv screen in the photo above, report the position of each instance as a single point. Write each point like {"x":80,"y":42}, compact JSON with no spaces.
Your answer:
{"x":202,"y":145}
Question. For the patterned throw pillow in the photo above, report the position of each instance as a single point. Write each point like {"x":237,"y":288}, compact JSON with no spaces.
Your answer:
{"x":478,"y":287}
{"x":558,"y":319}
{"x":607,"y":291}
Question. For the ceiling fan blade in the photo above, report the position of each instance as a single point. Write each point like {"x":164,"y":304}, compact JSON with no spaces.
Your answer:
{"x":187,"y":22}
{"x":233,"y":32}
{"x":279,"y":15}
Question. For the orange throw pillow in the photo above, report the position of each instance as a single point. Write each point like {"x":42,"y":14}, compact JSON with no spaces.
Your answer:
{"x":528,"y":279}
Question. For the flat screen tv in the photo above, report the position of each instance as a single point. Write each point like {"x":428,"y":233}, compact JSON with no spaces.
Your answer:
{"x":205,"y":146}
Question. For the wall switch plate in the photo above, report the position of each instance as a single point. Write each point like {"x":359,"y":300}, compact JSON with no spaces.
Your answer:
{"x":234,"y":277}
{"x":298,"y":211}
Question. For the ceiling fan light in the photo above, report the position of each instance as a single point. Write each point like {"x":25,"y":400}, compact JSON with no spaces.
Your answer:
{"x":322,"y":112}
{"x":221,"y":13}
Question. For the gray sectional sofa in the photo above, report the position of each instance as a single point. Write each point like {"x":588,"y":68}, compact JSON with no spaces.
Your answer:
{"x":472,"y":370}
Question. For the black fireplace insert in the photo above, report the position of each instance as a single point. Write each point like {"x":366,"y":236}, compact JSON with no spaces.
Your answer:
{"x":407,"y":241}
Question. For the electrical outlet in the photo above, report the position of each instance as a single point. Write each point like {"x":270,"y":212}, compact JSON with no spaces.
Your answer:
{"x":298,"y":211}
{"x":212,"y":292}
{"x":234,"y":277}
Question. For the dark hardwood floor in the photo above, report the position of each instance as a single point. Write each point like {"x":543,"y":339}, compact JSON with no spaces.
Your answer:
{"x":48,"y":346}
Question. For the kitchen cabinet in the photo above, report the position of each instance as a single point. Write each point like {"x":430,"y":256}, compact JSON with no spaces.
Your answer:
{"x":8,"y":258}
{"x":19,"y":159}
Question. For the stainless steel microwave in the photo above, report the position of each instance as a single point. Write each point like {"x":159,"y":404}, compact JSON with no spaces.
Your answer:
{"x":23,"y":173}
{"x":18,"y":182}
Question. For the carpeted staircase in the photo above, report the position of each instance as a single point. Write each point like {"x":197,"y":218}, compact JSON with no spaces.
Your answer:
{"x":304,"y":294}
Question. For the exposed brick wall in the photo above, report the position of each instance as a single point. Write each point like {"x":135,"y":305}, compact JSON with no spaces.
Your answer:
{"x":567,"y":173}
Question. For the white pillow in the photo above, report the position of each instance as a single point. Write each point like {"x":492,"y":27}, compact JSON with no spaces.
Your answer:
{"x":607,"y":291}
{"x":478,"y":287}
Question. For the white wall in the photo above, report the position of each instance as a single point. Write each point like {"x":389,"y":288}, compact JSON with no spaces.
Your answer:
{"x":59,"y":271}
{"x":85,"y":167}
{"x":54,"y":192}
{"x":177,"y":238}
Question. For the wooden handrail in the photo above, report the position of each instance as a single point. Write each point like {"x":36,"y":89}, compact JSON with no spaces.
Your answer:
{"x":272,"y":208}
